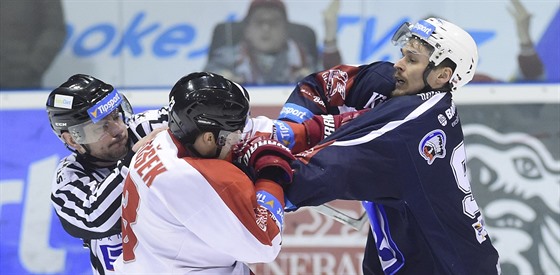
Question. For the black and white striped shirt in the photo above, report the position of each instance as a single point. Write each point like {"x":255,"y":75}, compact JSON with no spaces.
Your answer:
{"x":87,"y":198}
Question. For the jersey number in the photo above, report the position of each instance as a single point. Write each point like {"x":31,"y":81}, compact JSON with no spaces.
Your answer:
{"x":129,"y":214}
{"x":459,"y":165}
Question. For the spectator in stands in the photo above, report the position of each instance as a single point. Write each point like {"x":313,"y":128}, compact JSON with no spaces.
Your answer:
{"x":268,"y":52}
{"x":32,"y":33}
{"x":530,"y":65}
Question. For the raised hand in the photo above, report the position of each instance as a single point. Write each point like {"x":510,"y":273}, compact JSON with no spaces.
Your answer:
{"x":522,"y":19}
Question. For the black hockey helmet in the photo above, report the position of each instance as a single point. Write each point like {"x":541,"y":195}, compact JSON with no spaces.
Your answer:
{"x":80,"y":101}
{"x":206,"y":102}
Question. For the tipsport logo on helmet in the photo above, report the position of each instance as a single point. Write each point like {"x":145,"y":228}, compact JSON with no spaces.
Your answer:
{"x":423,"y":29}
{"x":105,"y":106}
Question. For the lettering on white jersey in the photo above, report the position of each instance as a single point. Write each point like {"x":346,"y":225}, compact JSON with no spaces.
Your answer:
{"x":148,"y":164}
{"x":110,"y":253}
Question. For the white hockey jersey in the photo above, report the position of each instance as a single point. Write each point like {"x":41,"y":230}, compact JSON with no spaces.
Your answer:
{"x":183,"y":214}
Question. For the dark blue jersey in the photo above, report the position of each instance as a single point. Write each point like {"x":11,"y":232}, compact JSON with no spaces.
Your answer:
{"x":339,"y":89}
{"x":405,"y":160}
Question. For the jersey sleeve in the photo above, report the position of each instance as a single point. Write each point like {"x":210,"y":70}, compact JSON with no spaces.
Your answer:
{"x":141,"y":124}
{"x":339,"y":89}
{"x":87,"y":202}
{"x":370,"y":153}
{"x":290,"y":134}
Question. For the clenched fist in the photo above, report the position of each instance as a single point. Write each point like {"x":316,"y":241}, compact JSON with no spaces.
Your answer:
{"x":265,"y":158}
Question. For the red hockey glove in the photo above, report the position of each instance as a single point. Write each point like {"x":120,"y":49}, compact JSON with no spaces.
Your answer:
{"x":267,"y":158}
{"x":320,"y":127}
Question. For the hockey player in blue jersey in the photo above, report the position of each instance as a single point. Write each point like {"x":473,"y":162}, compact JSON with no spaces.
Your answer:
{"x":404,"y":159}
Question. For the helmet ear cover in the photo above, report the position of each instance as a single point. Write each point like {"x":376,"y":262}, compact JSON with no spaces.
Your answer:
{"x":206,"y":102}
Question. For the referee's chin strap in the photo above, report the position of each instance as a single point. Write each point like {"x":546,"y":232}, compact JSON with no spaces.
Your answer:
{"x":92,"y":159}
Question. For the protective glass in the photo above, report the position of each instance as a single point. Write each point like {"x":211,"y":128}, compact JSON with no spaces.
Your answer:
{"x":228,"y":139}
{"x":89,"y":132}
{"x":408,"y":34}
{"x":408,"y":39}
{"x":402,"y":35}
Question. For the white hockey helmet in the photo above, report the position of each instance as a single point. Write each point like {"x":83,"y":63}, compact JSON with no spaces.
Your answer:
{"x":448,"y":41}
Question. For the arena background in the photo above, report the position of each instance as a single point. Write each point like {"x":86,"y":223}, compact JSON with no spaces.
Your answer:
{"x":512,"y":130}
{"x":123,"y":41}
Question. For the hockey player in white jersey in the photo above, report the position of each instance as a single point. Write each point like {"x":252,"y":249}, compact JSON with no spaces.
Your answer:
{"x":186,"y":207}
{"x":94,"y":121}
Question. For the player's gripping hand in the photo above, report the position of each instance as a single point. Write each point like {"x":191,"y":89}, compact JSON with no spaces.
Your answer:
{"x":266,"y":158}
{"x":320,"y":127}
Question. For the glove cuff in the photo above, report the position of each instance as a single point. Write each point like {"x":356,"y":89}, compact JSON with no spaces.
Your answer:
{"x":275,"y":168}
{"x":319,"y":127}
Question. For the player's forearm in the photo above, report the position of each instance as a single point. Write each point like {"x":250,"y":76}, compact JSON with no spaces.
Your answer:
{"x":271,"y":196}
{"x":312,"y":131}
{"x":140,"y":125}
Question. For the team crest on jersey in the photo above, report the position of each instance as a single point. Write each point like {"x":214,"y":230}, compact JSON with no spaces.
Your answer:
{"x":335,"y":85}
{"x":432,"y":146}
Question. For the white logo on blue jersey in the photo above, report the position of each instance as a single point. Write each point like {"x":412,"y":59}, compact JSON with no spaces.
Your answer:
{"x":432,"y":145}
